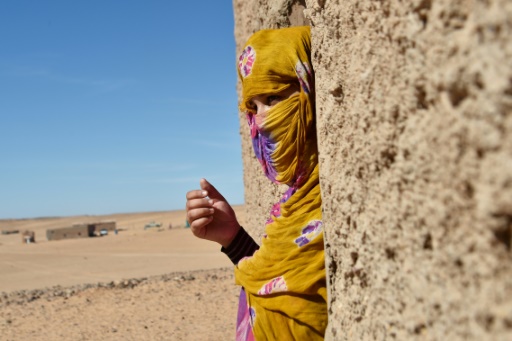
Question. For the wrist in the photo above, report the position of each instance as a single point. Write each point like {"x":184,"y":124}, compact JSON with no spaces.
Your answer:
{"x":241,"y":246}
{"x":227,"y":241}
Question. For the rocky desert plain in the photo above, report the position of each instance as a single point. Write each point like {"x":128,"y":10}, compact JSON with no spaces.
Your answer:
{"x":155,"y":284}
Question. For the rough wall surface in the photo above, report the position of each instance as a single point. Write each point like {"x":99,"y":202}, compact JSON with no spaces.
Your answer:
{"x":414,"y":107}
{"x":252,"y":16}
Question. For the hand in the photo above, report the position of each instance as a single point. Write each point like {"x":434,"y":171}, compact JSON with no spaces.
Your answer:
{"x":210,"y":216}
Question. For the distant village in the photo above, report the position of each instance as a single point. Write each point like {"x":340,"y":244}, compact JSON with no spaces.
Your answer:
{"x":84,"y":230}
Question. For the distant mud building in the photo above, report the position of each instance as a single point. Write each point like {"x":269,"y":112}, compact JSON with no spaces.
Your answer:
{"x":84,"y":230}
{"x":28,"y":237}
{"x":10,"y":231}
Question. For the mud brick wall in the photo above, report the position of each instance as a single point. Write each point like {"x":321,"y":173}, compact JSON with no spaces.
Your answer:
{"x":414,"y":111}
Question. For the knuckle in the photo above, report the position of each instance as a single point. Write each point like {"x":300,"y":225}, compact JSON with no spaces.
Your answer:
{"x":196,"y":229}
{"x":191,"y":195}
{"x":191,"y":204}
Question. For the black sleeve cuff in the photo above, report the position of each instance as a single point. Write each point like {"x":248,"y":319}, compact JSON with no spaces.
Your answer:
{"x":242,"y":246}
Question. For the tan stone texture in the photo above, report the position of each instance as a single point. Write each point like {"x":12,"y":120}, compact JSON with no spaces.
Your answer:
{"x":414,"y":104}
{"x":414,"y":120}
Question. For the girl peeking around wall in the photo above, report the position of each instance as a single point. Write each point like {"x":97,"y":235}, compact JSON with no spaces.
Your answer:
{"x":283,"y":295}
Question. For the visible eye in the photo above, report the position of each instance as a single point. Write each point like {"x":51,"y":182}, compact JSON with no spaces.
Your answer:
{"x":251,"y":106}
{"x":273,"y":100}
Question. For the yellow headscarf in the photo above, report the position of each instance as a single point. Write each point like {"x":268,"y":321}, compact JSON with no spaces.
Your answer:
{"x":285,"y":279}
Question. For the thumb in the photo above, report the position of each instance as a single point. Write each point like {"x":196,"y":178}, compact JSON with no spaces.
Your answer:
{"x":212,"y":191}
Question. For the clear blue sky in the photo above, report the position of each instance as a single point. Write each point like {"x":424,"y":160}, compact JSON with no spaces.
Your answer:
{"x":115,"y":105}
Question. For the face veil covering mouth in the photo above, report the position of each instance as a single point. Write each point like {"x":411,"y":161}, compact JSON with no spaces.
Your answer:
{"x":284,"y":286}
{"x":285,"y":142}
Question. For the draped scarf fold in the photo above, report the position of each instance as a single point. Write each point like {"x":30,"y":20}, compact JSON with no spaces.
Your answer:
{"x":284,"y":281}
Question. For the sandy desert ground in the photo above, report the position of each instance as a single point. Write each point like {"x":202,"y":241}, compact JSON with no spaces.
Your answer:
{"x":156,"y":284}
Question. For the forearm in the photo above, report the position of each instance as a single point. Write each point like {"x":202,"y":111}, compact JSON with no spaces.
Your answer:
{"x":242,"y":246}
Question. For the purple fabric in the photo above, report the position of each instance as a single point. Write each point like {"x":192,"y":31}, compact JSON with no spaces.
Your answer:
{"x":310,"y":232}
{"x":263,"y":147}
{"x":244,"y":319}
